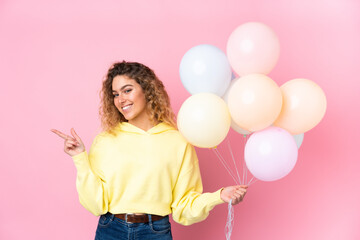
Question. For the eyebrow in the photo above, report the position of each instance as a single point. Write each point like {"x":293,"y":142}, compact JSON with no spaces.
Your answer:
{"x":123,"y":87}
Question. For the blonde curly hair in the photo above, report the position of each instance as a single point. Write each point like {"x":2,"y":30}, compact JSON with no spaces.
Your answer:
{"x":157,"y":99}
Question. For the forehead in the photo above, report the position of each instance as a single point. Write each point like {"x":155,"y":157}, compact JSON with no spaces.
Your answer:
{"x":122,"y":80}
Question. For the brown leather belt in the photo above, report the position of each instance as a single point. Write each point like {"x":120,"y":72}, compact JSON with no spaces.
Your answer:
{"x":134,"y":218}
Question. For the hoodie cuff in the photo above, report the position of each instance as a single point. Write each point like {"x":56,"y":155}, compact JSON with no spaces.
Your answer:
{"x":81,"y":160}
{"x":214,"y":199}
{"x":218,"y":193}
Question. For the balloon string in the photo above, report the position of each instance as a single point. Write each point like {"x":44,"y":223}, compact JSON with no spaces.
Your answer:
{"x":230,"y":221}
{"x":233,"y":158}
{"x":227,"y":166}
{"x":250,"y":183}
{"x":250,"y":180}
{"x":224,"y":164}
{"x":243,"y":161}
{"x":246,"y":170}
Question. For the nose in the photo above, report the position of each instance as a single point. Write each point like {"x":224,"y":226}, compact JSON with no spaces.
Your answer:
{"x":121,"y":99}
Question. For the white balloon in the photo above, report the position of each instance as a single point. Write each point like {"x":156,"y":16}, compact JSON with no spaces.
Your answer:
{"x":205,"y":68}
{"x":299,"y":138}
{"x":233,"y":76}
{"x":238,"y":129}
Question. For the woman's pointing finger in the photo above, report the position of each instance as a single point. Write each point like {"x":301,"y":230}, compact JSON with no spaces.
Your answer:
{"x":60,"y":134}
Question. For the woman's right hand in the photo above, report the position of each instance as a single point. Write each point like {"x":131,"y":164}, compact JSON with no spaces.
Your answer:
{"x":73,"y":144}
{"x":234,"y":193}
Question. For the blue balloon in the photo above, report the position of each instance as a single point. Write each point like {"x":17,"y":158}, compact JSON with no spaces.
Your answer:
{"x":205,"y":68}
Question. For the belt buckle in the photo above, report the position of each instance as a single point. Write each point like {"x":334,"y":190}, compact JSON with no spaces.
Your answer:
{"x":126,"y":217}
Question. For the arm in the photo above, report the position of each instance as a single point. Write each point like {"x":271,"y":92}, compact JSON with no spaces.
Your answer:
{"x":93,"y":194}
{"x":189,"y":204}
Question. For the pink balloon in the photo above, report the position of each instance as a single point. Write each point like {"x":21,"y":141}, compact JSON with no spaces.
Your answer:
{"x":271,"y":154}
{"x":253,"y":47}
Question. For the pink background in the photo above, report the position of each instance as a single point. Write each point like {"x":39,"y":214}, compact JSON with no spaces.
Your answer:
{"x":53,"y":57}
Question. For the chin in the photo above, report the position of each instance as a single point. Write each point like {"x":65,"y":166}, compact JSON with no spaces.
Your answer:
{"x":129,"y":118}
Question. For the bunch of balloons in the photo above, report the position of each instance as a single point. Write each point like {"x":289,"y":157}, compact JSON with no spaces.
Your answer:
{"x":276,"y":117}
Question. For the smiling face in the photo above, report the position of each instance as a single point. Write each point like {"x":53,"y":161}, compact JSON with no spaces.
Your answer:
{"x":129,"y":99}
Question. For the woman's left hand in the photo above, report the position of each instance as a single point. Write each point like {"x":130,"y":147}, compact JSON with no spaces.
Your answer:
{"x":234,"y":193}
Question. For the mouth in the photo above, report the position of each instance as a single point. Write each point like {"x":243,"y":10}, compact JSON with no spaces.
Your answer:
{"x":125,"y":108}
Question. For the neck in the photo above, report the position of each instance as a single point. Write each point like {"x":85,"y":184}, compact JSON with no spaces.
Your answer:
{"x":144,"y":125}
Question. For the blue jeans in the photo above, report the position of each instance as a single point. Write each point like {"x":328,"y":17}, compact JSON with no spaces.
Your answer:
{"x":111,"y":228}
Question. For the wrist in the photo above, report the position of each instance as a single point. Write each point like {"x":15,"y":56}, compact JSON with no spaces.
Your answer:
{"x":221,"y":195}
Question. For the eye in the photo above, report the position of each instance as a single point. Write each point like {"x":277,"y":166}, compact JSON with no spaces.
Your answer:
{"x":128,"y":90}
{"x":115,"y":95}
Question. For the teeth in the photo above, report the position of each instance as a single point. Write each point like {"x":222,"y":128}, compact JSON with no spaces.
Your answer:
{"x":126,"y":107}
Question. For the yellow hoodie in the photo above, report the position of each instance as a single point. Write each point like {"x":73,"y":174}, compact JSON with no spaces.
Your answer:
{"x":137,"y":171}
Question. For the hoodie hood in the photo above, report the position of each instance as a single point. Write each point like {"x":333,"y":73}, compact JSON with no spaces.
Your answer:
{"x":159,"y":128}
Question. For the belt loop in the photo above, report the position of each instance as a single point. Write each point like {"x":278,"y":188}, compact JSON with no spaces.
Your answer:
{"x":126,"y":218}
{"x":112,"y":216}
{"x":150,"y":221}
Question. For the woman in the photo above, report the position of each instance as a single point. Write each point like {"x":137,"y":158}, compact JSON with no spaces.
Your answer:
{"x":140,"y":168}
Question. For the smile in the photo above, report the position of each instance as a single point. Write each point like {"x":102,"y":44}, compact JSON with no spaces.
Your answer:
{"x":126,"y":107}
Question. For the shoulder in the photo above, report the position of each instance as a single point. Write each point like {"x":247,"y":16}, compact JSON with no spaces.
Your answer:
{"x":177,"y":144}
{"x":103,"y":137}
{"x":175,"y":136}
